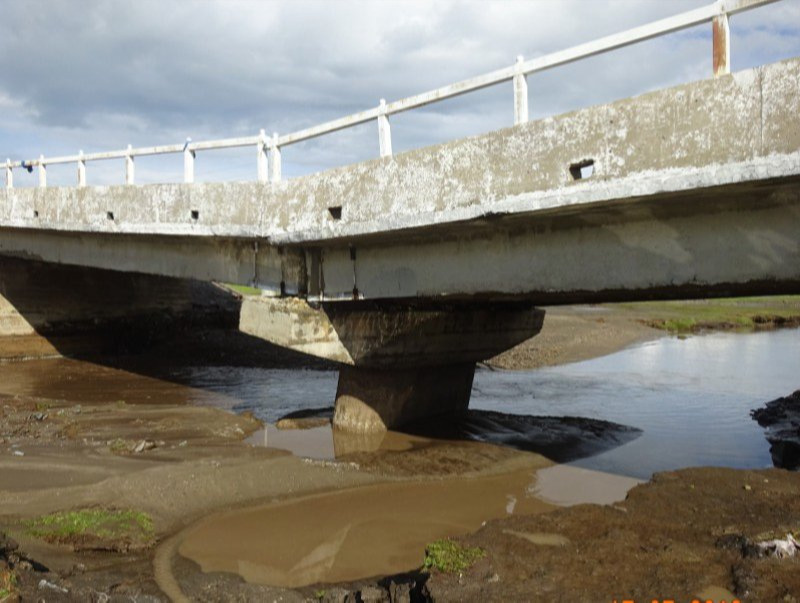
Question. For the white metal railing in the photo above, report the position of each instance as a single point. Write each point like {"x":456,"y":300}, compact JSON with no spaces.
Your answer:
{"x":268,"y":148}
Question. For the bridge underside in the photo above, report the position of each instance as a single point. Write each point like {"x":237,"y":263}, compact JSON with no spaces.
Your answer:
{"x":409,"y":314}
{"x":695,"y":192}
{"x":734,"y":239}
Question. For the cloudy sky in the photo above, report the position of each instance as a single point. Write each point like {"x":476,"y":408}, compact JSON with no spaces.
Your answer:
{"x":100,"y":74}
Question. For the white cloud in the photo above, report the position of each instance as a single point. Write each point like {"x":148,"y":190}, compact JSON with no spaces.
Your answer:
{"x":100,"y":74}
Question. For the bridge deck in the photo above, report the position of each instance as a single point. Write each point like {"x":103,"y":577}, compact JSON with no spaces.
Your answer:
{"x":693,"y":190}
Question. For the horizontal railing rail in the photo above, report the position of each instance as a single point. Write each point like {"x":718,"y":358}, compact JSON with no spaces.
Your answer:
{"x":268,"y":148}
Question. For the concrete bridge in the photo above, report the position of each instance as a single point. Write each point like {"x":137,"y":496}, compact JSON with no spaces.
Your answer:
{"x":410,"y":268}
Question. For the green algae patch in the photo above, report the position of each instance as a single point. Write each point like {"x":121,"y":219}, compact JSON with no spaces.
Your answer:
{"x":95,"y":529}
{"x":450,"y":557}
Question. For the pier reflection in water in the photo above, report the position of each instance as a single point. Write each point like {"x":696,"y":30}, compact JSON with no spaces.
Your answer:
{"x":683,"y":402}
{"x":690,"y":398}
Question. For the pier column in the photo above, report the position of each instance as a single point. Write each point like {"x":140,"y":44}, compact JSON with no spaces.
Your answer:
{"x":370,"y":400}
{"x":399,"y":361}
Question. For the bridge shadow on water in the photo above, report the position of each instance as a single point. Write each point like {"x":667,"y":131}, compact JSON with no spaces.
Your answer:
{"x":156,"y":326}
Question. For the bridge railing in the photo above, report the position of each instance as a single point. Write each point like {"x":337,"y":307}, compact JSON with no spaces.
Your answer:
{"x":268,"y":148}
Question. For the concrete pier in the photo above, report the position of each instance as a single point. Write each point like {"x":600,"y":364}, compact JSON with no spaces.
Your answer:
{"x":370,"y":400}
{"x":400,"y":361}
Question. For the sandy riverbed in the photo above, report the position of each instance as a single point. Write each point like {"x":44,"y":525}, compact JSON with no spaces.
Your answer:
{"x":661,"y":542}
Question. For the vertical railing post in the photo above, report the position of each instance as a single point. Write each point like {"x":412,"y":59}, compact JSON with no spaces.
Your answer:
{"x":9,"y":175}
{"x":42,"y":172}
{"x":188,"y":162}
{"x":520,"y":95}
{"x":384,"y":131}
{"x":261,"y":156}
{"x":129,"y":167}
{"x":275,"y":159}
{"x":81,"y":169}
{"x":721,"y":49}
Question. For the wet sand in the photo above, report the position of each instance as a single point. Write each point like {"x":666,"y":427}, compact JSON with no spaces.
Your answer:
{"x":677,"y":537}
{"x":575,"y":333}
{"x":201,"y":481}
{"x":56,"y":454}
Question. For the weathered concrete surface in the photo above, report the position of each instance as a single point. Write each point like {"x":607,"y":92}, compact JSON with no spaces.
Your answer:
{"x":668,"y":167}
{"x":47,"y":309}
{"x":374,"y":400}
{"x":201,"y":258}
{"x":401,"y":361}
{"x":695,"y":191}
{"x":392,"y":334}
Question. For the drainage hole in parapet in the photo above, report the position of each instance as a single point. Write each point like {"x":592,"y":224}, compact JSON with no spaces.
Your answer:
{"x":195,"y":214}
{"x":582,"y":169}
{"x":335,"y":212}
{"x":110,"y":215}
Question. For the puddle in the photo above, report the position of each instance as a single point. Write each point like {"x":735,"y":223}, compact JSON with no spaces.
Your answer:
{"x":353,"y":534}
{"x":540,"y":538}
{"x":565,"y":485}
{"x":314,"y":443}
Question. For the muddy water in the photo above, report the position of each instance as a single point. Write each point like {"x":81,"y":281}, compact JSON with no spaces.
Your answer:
{"x":352,"y":534}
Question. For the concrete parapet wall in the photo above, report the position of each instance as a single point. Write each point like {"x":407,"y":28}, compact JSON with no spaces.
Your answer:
{"x":694,"y":190}
{"x":729,"y":119}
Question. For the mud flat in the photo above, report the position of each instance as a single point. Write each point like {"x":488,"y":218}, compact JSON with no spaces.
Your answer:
{"x":681,"y":536}
{"x":317,"y":528}
{"x":314,"y":530}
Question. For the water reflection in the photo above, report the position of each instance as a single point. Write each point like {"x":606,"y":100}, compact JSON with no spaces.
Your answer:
{"x":691,"y":398}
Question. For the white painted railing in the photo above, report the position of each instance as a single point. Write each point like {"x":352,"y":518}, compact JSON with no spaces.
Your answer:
{"x":268,"y":148}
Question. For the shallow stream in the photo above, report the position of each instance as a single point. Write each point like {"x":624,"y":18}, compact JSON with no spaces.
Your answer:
{"x":672,"y":403}
{"x":690,"y":397}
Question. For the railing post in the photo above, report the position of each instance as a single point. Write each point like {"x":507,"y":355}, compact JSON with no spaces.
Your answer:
{"x":129,"y":167}
{"x":42,"y":172}
{"x":188,"y":162}
{"x":384,"y":131}
{"x":81,"y":169}
{"x":721,"y":50}
{"x":261,"y":156}
{"x":9,"y":175}
{"x":275,"y":159}
{"x":520,"y":95}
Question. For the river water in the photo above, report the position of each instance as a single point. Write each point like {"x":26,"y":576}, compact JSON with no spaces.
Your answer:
{"x":688,"y":400}
{"x":690,"y":397}
{"x":672,"y":403}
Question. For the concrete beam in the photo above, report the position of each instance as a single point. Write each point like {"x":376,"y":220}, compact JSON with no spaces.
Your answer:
{"x":392,"y":335}
{"x":723,"y":241}
{"x":693,"y":190}
{"x":242,"y":261}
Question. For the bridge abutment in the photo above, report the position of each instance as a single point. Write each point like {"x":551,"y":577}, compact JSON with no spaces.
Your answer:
{"x":401,"y":361}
